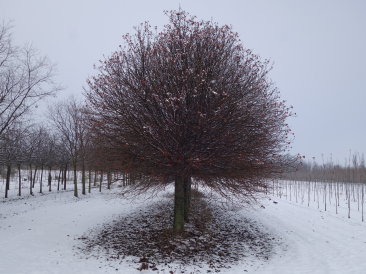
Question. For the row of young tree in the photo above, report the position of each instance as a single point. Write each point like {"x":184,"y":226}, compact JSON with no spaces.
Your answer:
{"x":338,"y":196}
{"x":61,"y":144}
{"x":26,"y":77}
{"x":327,"y":185}
{"x":352,"y":171}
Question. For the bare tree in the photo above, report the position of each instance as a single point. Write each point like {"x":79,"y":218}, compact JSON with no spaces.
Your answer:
{"x":44,"y":154}
{"x":25,"y":78}
{"x":84,"y":145}
{"x":21,"y":157}
{"x":61,"y":159}
{"x":68,"y":119}
{"x":11,"y":155}
{"x":190,"y":102}
{"x":50,"y":155}
{"x":32,"y":142}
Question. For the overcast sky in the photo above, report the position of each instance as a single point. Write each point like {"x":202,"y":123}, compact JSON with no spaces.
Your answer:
{"x":318,"y":49}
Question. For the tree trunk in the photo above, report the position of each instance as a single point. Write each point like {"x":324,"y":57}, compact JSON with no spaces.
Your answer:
{"x":75,"y":180}
{"x":7,"y":184}
{"x":109,"y":179}
{"x":49,"y":180}
{"x":187,"y":198}
{"x":40,"y":184}
{"x":20,"y":181}
{"x":58,"y":179}
{"x":90,"y":178}
{"x":64,"y":177}
{"x":34,"y":176}
{"x":30,"y":181}
{"x":83,"y":179}
{"x":131,"y":178}
{"x":178,"y":224}
{"x":95,"y":178}
{"x":101,"y":180}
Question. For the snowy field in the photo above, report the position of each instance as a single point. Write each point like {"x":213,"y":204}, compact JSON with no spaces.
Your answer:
{"x":40,"y":234}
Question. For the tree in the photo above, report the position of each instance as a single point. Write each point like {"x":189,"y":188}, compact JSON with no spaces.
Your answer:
{"x":21,"y":147}
{"x":68,"y":119}
{"x":62,"y":160}
{"x":84,"y":146}
{"x":32,"y":142}
{"x":44,"y":153}
{"x":190,"y":102}
{"x":25,"y":78}
{"x":11,"y":154}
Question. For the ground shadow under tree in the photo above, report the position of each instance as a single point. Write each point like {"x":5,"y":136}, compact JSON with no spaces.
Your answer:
{"x":215,"y":237}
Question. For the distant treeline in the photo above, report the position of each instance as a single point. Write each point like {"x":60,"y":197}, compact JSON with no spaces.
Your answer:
{"x":353,"y":171}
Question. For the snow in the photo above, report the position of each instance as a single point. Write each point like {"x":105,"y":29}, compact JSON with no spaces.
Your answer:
{"x":39,"y":235}
{"x":317,"y":241}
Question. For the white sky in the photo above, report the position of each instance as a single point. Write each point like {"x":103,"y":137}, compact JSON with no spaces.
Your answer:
{"x":318,"y":49}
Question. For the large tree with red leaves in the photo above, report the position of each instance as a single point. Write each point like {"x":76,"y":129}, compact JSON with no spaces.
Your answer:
{"x":190,"y":102}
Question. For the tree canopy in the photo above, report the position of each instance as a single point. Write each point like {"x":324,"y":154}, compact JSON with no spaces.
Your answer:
{"x":190,"y":102}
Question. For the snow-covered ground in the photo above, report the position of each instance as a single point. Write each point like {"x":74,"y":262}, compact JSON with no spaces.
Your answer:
{"x":39,"y":235}
{"x":317,"y":241}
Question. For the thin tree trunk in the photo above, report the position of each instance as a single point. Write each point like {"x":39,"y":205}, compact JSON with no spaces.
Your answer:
{"x":49,"y":180}
{"x":83,"y":179}
{"x":20,"y":181}
{"x":7,"y":184}
{"x":95,"y":178}
{"x":187,"y":198}
{"x":30,"y":181}
{"x":325,"y":196}
{"x":109,"y":179}
{"x":349,"y":202}
{"x":90,"y":178}
{"x":100,"y":182}
{"x":75,"y":179}
{"x":34,"y":176}
{"x":40,"y":184}
{"x":178,"y":225}
{"x":64,"y":177}
{"x":58,"y":179}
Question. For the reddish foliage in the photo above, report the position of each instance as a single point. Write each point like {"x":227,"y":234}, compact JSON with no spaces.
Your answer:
{"x":190,"y":101}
